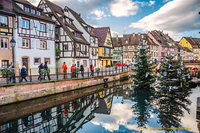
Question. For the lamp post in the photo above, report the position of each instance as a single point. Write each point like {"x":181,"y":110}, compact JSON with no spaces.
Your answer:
{"x":13,"y":43}
{"x":122,"y":59}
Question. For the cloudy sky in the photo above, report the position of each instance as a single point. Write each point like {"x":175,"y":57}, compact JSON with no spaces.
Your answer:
{"x":176,"y":17}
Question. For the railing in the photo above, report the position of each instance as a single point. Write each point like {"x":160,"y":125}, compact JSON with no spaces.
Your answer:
{"x":63,"y":76}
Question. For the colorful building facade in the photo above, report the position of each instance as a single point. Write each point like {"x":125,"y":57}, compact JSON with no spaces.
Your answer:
{"x":105,"y":46}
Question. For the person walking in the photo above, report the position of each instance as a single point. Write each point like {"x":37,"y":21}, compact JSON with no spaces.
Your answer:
{"x":73,"y":71}
{"x":23,"y":73}
{"x":40,"y":67}
{"x":82,"y":70}
{"x":64,"y":68}
{"x":92,"y":70}
{"x":46,"y":71}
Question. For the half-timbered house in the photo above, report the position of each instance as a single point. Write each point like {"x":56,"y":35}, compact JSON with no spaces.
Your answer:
{"x":70,"y":42}
{"x":7,"y":18}
{"x":87,"y":34}
{"x":105,"y":46}
{"x":35,"y":34}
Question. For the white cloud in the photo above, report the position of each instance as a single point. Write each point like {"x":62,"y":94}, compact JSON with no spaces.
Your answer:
{"x":174,"y":17}
{"x":120,"y":115}
{"x":123,"y":8}
{"x":98,"y":13}
{"x":114,"y":33}
{"x":151,"y":2}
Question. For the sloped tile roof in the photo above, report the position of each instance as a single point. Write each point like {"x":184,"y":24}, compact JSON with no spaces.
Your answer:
{"x":101,"y":33}
{"x":81,"y":21}
{"x":192,"y":42}
{"x":18,"y":10}
{"x":57,"y":9}
{"x":117,"y":41}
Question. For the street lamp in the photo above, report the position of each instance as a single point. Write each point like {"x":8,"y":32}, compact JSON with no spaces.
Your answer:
{"x":13,"y":43}
{"x":122,"y":60}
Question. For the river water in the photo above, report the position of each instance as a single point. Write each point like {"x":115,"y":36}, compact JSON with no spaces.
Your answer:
{"x":106,"y":108}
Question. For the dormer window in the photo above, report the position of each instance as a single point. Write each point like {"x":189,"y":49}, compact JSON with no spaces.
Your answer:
{"x":3,"y":20}
{"x":33,"y":11}
{"x":70,"y":22}
{"x":89,"y":29}
{"x":76,"y":34}
{"x":26,"y":9}
{"x":38,"y":13}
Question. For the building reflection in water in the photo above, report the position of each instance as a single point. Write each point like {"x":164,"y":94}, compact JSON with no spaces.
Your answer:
{"x":68,"y":117}
{"x":198,"y":113}
{"x":71,"y":116}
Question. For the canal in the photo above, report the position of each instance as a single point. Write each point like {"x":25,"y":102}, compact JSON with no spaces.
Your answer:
{"x":114,"y":107}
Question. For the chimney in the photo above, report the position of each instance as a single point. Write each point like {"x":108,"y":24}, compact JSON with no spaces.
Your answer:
{"x":79,"y":14}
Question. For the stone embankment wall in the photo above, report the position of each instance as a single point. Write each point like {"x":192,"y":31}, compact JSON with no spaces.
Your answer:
{"x":17,"y":93}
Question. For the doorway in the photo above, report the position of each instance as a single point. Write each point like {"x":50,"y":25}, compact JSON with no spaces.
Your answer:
{"x":25,"y":62}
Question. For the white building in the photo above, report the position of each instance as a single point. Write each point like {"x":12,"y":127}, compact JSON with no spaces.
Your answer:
{"x":69,"y":39}
{"x":87,"y":34}
{"x":34,"y":35}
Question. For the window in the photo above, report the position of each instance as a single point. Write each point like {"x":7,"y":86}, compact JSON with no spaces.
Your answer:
{"x":96,"y":41}
{"x":5,"y":63}
{"x":37,"y":61}
{"x":33,"y":11}
{"x":38,"y":12}
{"x":77,"y":34}
{"x":65,"y":47}
{"x":25,"y":24}
{"x":4,"y":43}
{"x":26,"y":43}
{"x":48,"y":60}
{"x":126,"y":41}
{"x":42,"y":27}
{"x":43,"y":44}
{"x":3,"y":20}
{"x":26,"y":9}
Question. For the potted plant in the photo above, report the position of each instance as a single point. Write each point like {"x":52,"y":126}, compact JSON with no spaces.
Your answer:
{"x":7,"y":73}
{"x":58,"y":52}
{"x":97,"y":70}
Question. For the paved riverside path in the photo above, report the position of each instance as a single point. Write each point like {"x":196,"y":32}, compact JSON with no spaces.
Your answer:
{"x":59,"y":76}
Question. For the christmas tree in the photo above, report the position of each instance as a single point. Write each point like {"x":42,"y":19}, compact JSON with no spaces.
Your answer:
{"x":143,"y":77}
{"x":173,"y":74}
{"x":173,"y":93}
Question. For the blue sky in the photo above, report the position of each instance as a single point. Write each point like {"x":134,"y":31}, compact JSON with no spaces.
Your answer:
{"x":176,"y":17}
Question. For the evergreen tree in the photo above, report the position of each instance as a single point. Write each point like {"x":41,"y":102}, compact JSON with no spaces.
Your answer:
{"x":143,"y":77}
{"x":173,"y":74}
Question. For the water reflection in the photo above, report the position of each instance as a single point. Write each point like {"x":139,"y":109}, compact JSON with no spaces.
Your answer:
{"x":171,"y":106}
{"x":143,"y":99}
{"x":113,"y":109}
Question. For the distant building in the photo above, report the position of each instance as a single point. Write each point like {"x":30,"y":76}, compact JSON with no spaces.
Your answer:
{"x":105,"y":46}
{"x":7,"y":23}
{"x":118,"y":50}
{"x":131,"y":43}
{"x":192,"y":44}
{"x":166,"y":45}
{"x":35,"y":37}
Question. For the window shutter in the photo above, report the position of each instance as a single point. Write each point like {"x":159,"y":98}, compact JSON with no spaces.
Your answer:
{"x":38,"y":44}
{"x":19,"y":42}
{"x":20,"y":22}
{"x":32,"y":43}
{"x":48,"y":45}
{"x":38,"y":25}
{"x":31,"y":24}
{"x":47,"y":26}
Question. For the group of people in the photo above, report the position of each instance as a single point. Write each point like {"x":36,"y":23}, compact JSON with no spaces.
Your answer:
{"x":74,"y":70}
{"x":44,"y":71}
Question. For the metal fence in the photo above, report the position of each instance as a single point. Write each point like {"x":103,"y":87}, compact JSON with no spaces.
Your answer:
{"x":63,"y":76}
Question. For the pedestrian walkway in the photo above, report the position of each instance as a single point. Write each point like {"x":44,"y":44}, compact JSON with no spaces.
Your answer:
{"x":60,"y":76}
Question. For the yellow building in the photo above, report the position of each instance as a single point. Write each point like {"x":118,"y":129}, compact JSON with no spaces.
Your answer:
{"x":105,"y":46}
{"x":193,"y":45}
